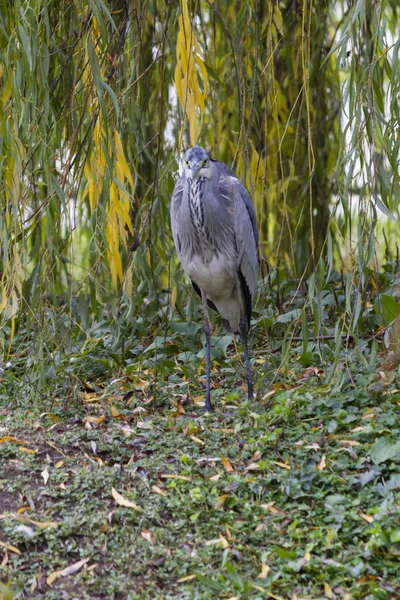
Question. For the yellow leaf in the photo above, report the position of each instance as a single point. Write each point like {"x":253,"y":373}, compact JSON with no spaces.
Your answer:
{"x":59,"y":464}
{"x":282,"y":465}
{"x":173,"y":476}
{"x":328,"y":590}
{"x":10,"y":547}
{"x":93,"y":419}
{"x":174,"y":296}
{"x":28,"y":450}
{"x":322,"y":463}
{"x":186,"y":578}
{"x":368,"y":518}
{"x":197,"y":440}
{"x":158,"y":490}
{"x":227,"y":465}
{"x":23,"y":509}
{"x":115,"y":413}
{"x":11,"y":438}
{"x":123,"y":501}
{"x":265,"y":569}
{"x":121,"y":158}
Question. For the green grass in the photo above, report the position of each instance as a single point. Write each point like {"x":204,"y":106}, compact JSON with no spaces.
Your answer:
{"x":310,"y":489}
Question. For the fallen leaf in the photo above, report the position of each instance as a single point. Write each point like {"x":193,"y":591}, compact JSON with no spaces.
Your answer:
{"x":256,"y":456}
{"x":23,"y":509}
{"x":221,"y":499}
{"x":349,"y":442}
{"x":95,"y":420}
{"x":10,"y":547}
{"x":253,"y":467}
{"x":227,"y":465}
{"x":282,"y":465}
{"x":158,"y":490}
{"x":11,"y":438}
{"x":148,"y":536}
{"x":269,"y":594}
{"x":274,"y":509}
{"x":119,"y":499}
{"x":328,"y":590}
{"x":70,"y":570}
{"x":197,"y":440}
{"x":173,"y":476}
{"x":368,"y":518}
{"x":59,"y":464}
{"x":45,"y":474}
{"x":307,"y":557}
{"x":322,"y":463}
{"x":186,"y":578}
{"x":265,"y":569}
{"x":215,"y":477}
{"x":115,"y":413}
{"x":28,"y":450}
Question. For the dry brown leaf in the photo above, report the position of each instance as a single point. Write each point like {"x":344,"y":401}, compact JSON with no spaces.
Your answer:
{"x":274,"y":509}
{"x":253,"y":467}
{"x":368,"y":518}
{"x":148,"y":536}
{"x":265,"y":569}
{"x":227,"y":465}
{"x":119,"y":499}
{"x":256,"y":456}
{"x":322,"y":463}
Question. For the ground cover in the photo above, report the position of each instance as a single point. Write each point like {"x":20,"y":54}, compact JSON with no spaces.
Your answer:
{"x":124,"y":491}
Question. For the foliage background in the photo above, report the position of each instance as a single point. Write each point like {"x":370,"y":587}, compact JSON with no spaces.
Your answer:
{"x":98,"y":99}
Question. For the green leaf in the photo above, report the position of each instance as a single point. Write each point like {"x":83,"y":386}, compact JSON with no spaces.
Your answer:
{"x":289,"y":316}
{"x":384,"y":449}
{"x":387,"y":306}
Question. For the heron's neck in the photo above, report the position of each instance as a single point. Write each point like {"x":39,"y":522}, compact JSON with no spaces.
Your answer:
{"x":196,"y":203}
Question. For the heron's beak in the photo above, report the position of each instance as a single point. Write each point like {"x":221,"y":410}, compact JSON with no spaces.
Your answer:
{"x":196,"y":170}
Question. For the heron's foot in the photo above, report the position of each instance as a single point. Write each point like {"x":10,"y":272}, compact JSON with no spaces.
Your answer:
{"x":208,"y":407}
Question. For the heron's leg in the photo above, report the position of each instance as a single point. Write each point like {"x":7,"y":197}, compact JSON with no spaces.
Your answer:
{"x":207,"y":330}
{"x":249,"y":376}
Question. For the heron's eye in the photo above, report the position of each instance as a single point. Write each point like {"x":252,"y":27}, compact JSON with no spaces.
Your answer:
{"x":187,"y":163}
{"x":205,"y":161}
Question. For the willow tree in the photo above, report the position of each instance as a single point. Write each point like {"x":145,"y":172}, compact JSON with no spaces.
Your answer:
{"x":98,"y":98}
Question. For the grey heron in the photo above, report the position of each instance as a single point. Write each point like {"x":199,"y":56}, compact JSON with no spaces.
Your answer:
{"x":215,"y":233}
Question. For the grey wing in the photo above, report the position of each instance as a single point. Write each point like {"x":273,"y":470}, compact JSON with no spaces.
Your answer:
{"x":246,"y":237}
{"x":175,"y":207}
{"x":226,"y":172}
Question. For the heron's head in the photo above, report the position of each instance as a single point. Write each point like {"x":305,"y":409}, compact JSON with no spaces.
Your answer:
{"x":196,"y":163}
